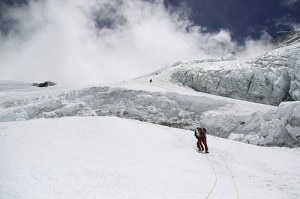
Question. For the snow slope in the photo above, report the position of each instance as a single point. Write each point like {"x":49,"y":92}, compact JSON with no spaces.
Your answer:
{"x":111,"y":158}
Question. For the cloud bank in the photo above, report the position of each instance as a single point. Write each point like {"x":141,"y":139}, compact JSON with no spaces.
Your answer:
{"x":101,"y":41}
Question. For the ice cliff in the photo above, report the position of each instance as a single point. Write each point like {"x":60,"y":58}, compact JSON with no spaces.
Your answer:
{"x":269,"y":79}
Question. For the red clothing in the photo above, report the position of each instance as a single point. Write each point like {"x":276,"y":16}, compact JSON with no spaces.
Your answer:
{"x":200,"y":134}
{"x":199,"y":145}
{"x":203,"y":140}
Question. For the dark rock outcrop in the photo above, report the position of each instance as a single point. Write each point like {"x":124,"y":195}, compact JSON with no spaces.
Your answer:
{"x":44,"y":84}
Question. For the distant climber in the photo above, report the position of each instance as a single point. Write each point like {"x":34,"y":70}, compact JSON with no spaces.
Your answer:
{"x":150,"y":80}
{"x":197,"y":135}
{"x":200,"y":134}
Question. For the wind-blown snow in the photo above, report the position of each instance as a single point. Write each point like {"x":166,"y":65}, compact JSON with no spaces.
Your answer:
{"x":108,"y":157}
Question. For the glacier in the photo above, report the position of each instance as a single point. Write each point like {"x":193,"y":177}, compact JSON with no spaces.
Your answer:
{"x":255,"y":101}
{"x":224,"y":117}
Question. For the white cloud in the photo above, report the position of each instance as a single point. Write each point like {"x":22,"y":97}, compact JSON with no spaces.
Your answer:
{"x":290,"y":2}
{"x":255,"y":48}
{"x":286,"y":21}
{"x":58,"y":41}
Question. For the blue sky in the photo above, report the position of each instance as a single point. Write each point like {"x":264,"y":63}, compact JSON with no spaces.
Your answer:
{"x":242,"y":17}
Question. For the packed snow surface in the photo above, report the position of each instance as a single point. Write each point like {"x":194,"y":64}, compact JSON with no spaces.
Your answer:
{"x":111,"y":158}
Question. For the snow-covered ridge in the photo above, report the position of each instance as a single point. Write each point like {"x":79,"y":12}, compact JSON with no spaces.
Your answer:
{"x":285,"y":38}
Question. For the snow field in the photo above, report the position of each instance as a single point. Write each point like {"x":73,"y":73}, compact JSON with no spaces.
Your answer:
{"x":108,"y":157}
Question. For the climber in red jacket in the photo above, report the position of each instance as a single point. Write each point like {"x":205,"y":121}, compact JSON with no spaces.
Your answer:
{"x":200,"y":134}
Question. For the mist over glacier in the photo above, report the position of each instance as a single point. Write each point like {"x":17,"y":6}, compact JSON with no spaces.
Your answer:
{"x":75,"y":42}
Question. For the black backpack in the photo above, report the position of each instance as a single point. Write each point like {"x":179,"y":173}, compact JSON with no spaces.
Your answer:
{"x":197,"y":134}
